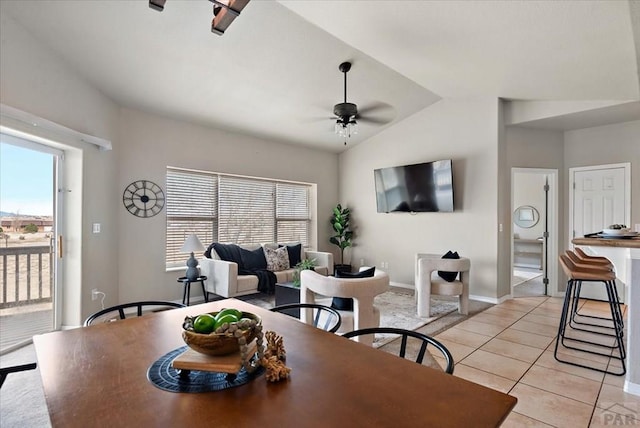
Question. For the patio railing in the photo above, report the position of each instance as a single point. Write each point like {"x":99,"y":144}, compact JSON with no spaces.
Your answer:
{"x":26,"y":275}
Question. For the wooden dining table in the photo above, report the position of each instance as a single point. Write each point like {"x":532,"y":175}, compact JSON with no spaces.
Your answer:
{"x":97,"y":376}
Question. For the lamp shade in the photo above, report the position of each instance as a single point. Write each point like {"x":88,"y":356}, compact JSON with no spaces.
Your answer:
{"x":191,"y":244}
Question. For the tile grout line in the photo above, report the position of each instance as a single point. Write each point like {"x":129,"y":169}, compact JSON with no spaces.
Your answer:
{"x":494,"y":336}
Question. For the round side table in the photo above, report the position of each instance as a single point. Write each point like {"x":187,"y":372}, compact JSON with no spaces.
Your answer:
{"x":186,"y":291}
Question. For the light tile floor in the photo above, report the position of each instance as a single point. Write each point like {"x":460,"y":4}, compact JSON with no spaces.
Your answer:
{"x":509,"y":347}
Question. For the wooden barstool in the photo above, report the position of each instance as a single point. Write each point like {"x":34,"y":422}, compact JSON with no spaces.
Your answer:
{"x":594,"y":259}
{"x":598,"y":263}
{"x":575,"y":276}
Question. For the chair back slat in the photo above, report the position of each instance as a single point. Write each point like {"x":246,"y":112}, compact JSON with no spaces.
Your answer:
{"x":140,"y":307}
{"x":423,"y":350}
{"x":403,"y":346}
{"x":333,"y":319}
{"x":404,"y":335}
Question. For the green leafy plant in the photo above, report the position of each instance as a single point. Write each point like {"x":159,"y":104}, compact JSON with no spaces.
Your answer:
{"x":343,"y":234}
{"x":31,"y":228}
{"x":306,"y":264}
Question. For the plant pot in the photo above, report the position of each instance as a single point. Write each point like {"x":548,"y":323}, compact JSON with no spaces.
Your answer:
{"x":341,"y":268}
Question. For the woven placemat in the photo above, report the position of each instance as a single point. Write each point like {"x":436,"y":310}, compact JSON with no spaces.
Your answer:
{"x":164,"y":376}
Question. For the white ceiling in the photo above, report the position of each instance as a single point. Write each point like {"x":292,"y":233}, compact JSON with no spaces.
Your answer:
{"x":275,"y":74}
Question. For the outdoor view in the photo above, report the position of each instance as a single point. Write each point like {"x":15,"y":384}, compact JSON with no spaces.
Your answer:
{"x":26,"y":232}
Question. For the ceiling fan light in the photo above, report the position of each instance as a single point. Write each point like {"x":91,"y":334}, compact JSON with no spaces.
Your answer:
{"x":353,"y":127}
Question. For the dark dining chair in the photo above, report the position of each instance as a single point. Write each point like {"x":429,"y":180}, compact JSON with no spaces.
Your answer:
{"x":324,"y":317}
{"x":123,"y":311}
{"x":5,"y":371}
{"x":405,"y":334}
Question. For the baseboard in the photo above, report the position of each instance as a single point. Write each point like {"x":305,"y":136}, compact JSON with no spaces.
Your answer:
{"x":402,"y":285}
{"x":631,"y":388}
{"x":16,"y":346}
{"x":70,"y":327}
{"x":493,"y":300}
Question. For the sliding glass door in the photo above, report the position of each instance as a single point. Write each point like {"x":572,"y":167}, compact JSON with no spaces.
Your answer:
{"x":30,"y":267}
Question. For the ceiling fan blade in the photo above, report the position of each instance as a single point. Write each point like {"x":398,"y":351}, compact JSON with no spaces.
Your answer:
{"x":375,"y":121}
{"x":377,"y":107}
{"x":318,"y":119}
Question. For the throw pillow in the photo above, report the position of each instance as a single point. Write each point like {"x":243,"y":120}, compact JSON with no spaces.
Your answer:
{"x":449,"y":276}
{"x":294,"y":253}
{"x":253,"y":260}
{"x":346,"y":303}
{"x":277,"y":259}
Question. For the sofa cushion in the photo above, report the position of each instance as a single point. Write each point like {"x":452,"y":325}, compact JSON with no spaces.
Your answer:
{"x":449,"y":276}
{"x":346,"y":303}
{"x":295,"y":253}
{"x":247,"y":283}
{"x":253,"y":259}
{"x":277,"y":259}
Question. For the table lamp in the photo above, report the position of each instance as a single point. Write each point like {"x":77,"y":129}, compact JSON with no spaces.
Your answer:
{"x":191,"y":244}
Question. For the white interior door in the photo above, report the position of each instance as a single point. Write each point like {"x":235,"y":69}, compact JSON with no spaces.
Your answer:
{"x":601,"y":197}
{"x":598,"y":199}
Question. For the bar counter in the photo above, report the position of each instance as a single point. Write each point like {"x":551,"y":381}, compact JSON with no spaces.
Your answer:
{"x":608,"y":242}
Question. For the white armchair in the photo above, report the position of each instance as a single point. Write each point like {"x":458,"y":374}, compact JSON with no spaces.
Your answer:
{"x":362,"y":290}
{"x":428,"y":282}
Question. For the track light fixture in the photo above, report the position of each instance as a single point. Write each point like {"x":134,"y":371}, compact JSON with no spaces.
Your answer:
{"x":224,"y":12}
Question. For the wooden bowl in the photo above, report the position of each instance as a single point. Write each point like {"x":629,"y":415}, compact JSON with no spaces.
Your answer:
{"x":219,"y":343}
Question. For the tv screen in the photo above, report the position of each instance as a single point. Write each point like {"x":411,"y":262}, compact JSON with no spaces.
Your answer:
{"x":421,"y":187}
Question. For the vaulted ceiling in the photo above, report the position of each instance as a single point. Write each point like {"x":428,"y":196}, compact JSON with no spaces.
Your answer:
{"x":274,"y":73}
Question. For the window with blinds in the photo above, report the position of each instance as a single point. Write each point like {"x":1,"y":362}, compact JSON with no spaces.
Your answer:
{"x":226,"y":208}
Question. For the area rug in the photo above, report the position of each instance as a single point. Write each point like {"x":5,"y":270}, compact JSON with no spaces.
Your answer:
{"x":397,"y":309}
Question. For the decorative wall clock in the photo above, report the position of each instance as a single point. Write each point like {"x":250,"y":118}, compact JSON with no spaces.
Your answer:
{"x":143,"y":198}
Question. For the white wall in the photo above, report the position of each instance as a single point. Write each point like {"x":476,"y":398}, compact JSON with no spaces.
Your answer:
{"x":34,"y":79}
{"x":606,"y":145}
{"x":150,"y":143}
{"x":462,"y":130}
{"x":544,"y":149}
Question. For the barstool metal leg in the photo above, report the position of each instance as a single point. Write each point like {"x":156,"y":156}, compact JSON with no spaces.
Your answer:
{"x":565,"y":319}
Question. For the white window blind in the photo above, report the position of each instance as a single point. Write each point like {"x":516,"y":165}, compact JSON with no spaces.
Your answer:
{"x":292,"y":213}
{"x":226,"y":208}
{"x":247,"y":211}
{"x":191,"y":203}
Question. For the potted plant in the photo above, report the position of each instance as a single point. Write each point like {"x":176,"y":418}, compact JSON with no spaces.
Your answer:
{"x":343,"y":234}
{"x":306,"y":264}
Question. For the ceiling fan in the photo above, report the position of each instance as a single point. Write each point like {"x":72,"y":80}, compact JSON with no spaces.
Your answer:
{"x":346,"y":113}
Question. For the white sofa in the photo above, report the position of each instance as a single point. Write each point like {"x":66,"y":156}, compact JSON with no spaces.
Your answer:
{"x":223,"y":279}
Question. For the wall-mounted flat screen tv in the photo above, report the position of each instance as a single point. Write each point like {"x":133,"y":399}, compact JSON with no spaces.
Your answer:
{"x":421,"y":187}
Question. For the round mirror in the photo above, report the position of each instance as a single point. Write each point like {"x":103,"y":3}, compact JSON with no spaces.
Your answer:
{"x":526,"y":216}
